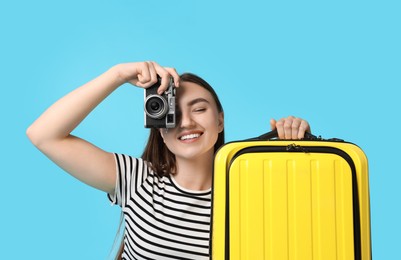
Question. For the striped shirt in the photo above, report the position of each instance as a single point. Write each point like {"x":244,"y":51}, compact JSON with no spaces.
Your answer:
{"x":162,"y":219}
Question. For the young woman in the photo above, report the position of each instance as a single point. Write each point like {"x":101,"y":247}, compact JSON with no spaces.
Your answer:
{"x":166,"y":194}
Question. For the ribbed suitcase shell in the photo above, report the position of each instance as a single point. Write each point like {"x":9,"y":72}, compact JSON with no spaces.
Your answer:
{"x":290,"y":200}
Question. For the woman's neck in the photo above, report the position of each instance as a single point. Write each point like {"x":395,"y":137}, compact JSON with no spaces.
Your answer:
{"x":195,"y":174}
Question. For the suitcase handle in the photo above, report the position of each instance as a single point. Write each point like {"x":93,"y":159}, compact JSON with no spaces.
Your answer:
{"x":274,"y":135}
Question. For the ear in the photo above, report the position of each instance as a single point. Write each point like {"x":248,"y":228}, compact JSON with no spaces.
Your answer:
{"x":220,"y":121}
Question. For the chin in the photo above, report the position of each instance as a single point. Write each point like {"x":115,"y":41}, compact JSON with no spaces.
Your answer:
{"x":193,"y":154}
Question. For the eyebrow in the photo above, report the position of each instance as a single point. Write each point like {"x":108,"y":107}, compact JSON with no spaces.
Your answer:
{"x":197,"y":100}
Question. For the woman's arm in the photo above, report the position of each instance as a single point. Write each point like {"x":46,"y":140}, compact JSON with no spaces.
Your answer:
{"x":50,"y":133}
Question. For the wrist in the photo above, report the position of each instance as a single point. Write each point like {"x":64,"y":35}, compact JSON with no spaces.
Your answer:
{"x":118,"y":75}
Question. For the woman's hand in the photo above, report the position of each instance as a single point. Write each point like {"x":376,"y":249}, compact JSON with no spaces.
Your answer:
{"x":290,"y":127}
{"x":144,"y":74}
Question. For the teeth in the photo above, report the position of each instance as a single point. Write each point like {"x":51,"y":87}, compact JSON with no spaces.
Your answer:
{"x":191,"y":136}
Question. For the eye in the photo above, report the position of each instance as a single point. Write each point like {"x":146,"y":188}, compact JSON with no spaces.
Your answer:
{"x":199,"y":109}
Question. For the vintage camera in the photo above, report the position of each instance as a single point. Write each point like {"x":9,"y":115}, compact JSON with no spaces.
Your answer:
{"x":160,"y":109}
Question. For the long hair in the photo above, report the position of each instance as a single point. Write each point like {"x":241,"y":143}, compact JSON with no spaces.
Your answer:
{"x":161,"y":158}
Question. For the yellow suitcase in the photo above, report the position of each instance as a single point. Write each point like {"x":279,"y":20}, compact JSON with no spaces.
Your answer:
{"x":303,"y":199}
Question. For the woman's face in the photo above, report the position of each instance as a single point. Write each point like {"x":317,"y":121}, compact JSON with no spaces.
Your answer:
{"x":198,"y":123}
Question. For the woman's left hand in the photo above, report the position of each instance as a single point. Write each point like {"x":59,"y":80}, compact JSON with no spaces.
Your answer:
{"x":290,"y":127}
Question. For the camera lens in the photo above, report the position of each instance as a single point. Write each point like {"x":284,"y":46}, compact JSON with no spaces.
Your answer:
{"x":155,"y":106}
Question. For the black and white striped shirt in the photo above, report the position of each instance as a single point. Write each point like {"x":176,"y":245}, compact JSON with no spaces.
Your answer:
{"x":162,"y":220}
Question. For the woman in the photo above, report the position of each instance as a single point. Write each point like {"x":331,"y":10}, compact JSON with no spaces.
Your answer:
{"x":165,"y":195}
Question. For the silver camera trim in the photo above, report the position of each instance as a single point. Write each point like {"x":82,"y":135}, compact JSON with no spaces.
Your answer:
{"x":171,"y":104}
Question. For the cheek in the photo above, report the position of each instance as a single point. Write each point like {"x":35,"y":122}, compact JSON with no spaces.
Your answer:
{"x":216,"y":123}
{"x":166,"y":135}
{"x":213,"y":128}
{"x":170,"y":140}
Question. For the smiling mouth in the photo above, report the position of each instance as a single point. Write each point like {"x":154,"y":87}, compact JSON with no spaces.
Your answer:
{"x":189,"y":137}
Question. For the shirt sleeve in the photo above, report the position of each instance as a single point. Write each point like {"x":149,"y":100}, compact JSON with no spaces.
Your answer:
{"x":130,"y":174}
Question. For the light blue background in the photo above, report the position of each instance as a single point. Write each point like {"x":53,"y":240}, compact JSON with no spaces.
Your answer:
{"x":335,"y":63}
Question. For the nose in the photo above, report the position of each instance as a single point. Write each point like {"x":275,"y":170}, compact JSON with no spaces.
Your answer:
{"x":185,"y":120}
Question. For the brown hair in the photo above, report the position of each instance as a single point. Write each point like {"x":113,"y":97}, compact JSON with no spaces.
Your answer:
{"x":156,"y":152}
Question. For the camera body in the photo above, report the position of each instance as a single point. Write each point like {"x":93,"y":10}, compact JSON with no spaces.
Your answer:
{"x":160,"y":110}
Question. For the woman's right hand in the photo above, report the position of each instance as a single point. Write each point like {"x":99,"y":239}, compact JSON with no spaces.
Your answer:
{"x":144,"y":74}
